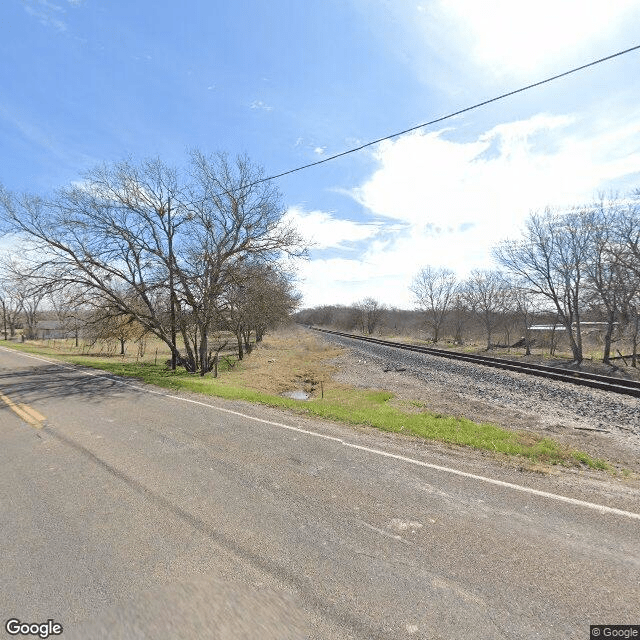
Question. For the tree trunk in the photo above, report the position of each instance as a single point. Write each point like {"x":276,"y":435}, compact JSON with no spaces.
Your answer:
{"x":247,"y":341}
{"x":240,"y":350}
{"x":527,"y":340}
{"x":190,"y":361}
{"x":4,"y":318}
{"x":121,"y":346}
{"x":575,"y":339}
{"x":607,"y":338}
{"x":634,"y":343}
{"x":204,"y":346}
{"x":576,"y":345}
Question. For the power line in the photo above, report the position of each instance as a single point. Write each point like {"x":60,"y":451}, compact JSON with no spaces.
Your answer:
{"x":448,"y":116}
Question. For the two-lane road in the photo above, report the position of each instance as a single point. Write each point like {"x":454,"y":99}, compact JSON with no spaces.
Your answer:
{"x":129,"y":512}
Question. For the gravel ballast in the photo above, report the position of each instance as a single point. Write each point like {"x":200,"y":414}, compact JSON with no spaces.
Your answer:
{"x":602,"y":423}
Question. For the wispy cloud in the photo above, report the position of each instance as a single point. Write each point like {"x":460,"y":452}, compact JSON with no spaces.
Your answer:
{"x":46,"y":13}
{"x":258,"y":104}
{"x":326,"y":231}
{"x":319,"y":150}
{"x":39,"y":136}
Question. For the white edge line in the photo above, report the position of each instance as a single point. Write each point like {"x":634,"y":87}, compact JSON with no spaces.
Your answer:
{"x":500,"y":483}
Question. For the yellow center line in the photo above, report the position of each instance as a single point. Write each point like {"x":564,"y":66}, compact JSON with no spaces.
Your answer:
{"x":24,"y":412}
{"x":36,"y":415}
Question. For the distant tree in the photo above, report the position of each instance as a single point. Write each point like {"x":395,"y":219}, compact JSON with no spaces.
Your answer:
{"x":625,"y":219}
{"x":630,"y":325}
{"x":524,"y":307}
{"x":105,"y":325}
{"x":70,"y":310}
{"x":434,"y":290}
{"x":11,"y":303}
{"x":550,"y":261}
{"x":23,"y":295}
{"x":612,"y":283}
{"x":484,"y":292}
{"x":460,"y":314}
{"x":369,"y":313}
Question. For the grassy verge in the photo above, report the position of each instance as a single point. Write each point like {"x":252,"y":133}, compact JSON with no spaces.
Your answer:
{"x":348,"y":405}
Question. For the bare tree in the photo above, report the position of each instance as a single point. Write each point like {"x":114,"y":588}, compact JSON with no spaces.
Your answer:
{"x":434,"y":289}
{"x":105,"y":325}
{"x":630,"y":321}
{"x":550,"y":261}
{"x":260,"y":298}
{"x":70,"y":310}
{"x":611,"y":282}
{"x":11,"y":303}
{"x":525,"y":309}
{"x":272,"y":299}
{"x":624,"y":251}
{"x":153,"y":245}
{"x":24,"y":293}
{"x":459,"y":316}
{"x":484,"y":292}
{"x":625,"y":218}
{"x":369,"y":312}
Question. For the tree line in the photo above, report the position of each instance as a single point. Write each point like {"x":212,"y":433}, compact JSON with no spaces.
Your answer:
{"x":567,"y":267}
{"x":183,"y":255}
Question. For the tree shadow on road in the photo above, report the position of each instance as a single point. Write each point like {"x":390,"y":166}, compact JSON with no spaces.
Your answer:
{"x":57,"y":382}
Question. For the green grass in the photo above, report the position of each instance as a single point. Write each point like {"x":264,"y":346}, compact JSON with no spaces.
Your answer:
{"x":353,"y":406}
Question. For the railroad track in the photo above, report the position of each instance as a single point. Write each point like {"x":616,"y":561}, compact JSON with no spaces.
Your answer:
{"x":606,"y":383}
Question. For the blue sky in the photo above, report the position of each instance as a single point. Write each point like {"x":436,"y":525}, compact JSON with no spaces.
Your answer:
{"x":290,"y":82}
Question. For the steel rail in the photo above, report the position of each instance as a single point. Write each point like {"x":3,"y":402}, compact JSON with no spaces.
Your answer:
{"x":594,"y":380}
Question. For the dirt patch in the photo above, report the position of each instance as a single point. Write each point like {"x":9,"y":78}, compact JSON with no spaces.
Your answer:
{"x":290,"y":360}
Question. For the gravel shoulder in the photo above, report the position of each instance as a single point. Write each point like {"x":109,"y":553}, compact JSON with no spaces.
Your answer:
{"x":603,"y":424}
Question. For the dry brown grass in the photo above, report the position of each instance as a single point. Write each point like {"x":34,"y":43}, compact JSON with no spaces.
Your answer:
{"x":289,"y":359}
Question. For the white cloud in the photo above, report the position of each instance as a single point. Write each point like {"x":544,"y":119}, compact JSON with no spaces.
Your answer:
{"x":326,"y":231}
{"x":450,"y":202}
{"x":319,"y":150}
{"x":384,"y":270}
{"x":46,"y":12}
{"x":504,"y":173}
{"x":258,"y":104}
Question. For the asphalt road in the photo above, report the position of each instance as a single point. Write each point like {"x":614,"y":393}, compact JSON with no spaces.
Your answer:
{"x":132,"y":513}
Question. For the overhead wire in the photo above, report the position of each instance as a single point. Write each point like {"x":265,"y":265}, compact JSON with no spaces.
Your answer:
{"x":477,"y":105}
